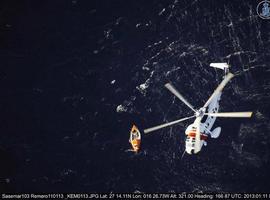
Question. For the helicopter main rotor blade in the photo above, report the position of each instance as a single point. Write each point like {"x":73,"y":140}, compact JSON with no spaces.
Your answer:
{"x":197,"y":146}
{"x":230,"y":114}
{"x":220,"y":87}
{"x":176,"y":93}
{"x":166,"y":124}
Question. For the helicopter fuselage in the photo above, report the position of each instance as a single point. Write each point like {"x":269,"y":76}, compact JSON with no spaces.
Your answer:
{"x":205,"y":127}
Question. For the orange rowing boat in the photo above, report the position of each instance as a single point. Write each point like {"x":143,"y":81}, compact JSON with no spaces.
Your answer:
{"x":135,"y":138}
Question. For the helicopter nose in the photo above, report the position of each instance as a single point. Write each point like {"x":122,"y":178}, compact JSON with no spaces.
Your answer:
{"x":190,"y":151}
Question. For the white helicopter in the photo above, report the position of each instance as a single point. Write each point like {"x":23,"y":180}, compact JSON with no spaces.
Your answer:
{"x":198,"y":132}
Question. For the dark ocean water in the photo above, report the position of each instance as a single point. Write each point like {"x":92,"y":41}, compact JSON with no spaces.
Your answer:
{"x":67,"y":65}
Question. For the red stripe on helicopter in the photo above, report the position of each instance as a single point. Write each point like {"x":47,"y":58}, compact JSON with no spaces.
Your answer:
{"x":193,"y":134}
